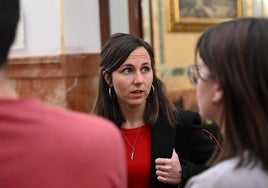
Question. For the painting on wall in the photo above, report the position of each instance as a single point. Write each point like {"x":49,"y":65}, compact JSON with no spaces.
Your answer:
{"x":196,"y":15}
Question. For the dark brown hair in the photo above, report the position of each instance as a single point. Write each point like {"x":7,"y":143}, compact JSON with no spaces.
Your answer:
{"x":235,"y":53}
{"x":114,"y":53}
{"x":9,"y":17}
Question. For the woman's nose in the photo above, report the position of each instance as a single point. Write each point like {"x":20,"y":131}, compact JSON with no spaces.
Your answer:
{"x":138,"y":78}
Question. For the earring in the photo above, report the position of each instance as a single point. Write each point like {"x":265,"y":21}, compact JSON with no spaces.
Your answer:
{"x":151,"y":92}
{"x":110,"y":93}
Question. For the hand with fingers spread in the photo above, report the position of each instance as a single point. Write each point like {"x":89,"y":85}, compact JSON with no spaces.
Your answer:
{"x":168,"y":170}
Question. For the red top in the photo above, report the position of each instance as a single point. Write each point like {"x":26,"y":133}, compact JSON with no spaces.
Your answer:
{"x":45,"y":147}
{"x":139,"y":168}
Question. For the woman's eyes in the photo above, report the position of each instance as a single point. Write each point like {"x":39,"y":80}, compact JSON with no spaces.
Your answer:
{"x":127,"y":70}
{"x":146,"y":69}
{"x":143,"y":69}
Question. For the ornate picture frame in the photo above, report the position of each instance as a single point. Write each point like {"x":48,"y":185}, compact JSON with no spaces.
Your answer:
{"x":196,"y":15}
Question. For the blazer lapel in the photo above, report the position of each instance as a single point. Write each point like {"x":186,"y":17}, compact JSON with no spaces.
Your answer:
{"x":162,"y":142}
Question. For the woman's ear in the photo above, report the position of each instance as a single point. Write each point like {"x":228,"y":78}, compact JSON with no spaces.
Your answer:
{"x":217,"y":93}
{"x":107,"y":78}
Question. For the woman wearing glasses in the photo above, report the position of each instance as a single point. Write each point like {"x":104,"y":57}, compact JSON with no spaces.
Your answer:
{"x":164,"y":146}
{"x":232,"y":89}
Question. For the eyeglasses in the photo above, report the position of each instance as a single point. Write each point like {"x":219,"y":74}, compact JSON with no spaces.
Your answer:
{"x":194,"y":71}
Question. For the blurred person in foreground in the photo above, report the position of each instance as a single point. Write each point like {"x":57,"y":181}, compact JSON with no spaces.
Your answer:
{"x":164,"y":145}
{"x":232,"y":88}
{"x":49,"y":147}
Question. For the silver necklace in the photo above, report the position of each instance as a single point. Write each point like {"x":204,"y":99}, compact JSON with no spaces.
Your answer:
{"x":132,"y":146}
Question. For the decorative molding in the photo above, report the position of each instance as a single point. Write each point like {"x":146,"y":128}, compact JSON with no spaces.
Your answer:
{"x":69,"y":65}
{"x":104,"y":13}
{"x":61,"y":23}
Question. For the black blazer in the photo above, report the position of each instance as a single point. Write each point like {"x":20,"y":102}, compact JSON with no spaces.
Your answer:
{"x":193,"y":147}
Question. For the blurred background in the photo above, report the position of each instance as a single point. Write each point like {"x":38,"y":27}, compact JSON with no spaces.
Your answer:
{"x":56,"y":52}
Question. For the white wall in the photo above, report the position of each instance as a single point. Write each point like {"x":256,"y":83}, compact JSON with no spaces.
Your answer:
{"x":119,"y":20}
{"x":81,"y":26}
{"x":42,"y":29}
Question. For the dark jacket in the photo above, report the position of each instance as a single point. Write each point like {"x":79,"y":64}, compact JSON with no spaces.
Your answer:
{"x":193,"y":147}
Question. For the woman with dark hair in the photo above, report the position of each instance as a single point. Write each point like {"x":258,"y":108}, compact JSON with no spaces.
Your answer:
{"x":164,"y":146}
{"x":232,"y":88}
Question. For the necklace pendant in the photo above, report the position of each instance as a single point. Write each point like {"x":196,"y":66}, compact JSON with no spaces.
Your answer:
{"x":134,"y":144}
{"x":132,"y":155}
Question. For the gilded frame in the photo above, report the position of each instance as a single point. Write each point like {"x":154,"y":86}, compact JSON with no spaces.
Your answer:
{"x":179,"y":21}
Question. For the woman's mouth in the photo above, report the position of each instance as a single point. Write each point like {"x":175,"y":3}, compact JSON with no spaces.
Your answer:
{"x":137,"y":93}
